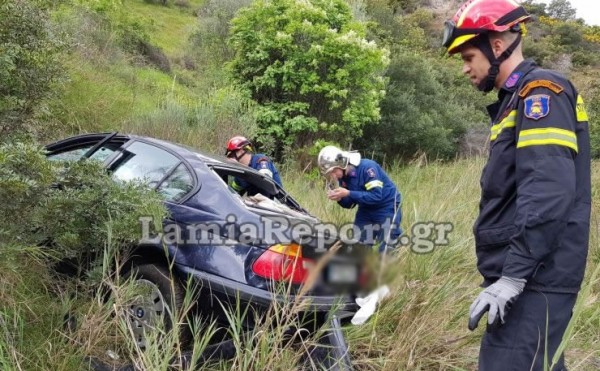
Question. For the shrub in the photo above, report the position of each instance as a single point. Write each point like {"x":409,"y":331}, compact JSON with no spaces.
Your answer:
{"x":309,"y":67}
{"x":29,"y":66}
{"x":425,"y":109}
{"x":71,"y":204}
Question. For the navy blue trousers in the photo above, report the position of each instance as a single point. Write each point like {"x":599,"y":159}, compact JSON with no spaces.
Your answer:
{"x":520,"y":344}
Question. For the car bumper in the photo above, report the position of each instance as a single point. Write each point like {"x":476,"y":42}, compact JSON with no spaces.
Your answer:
{"x":344,"y":306}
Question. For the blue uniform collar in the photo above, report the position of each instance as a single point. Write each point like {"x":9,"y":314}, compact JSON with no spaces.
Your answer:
{"x":514,"y":79}
{"x":350,"y":172}
{"x":510,"y":86}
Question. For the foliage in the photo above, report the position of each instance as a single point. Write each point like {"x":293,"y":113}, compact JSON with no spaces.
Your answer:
{"x":419,"y":114}
{"x":112,"y":24}
{"x":30,"y":47}
{"x":70,"y":204}
{"x":535,"y":8}
{"x":309,"y":67}
{"x":592,"y":34}
{"x":210,"y":39}
{"x":592,"y":106}
{"x":561,"y":9}
{"x":206,"y":124}
{"x":403,"y":6}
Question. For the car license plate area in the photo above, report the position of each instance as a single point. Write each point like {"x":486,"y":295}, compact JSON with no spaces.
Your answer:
{"x":342,"y":273}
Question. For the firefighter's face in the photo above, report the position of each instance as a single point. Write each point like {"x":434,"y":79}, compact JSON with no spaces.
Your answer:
{"x":475,"y":64}
{"x":336,"y":174}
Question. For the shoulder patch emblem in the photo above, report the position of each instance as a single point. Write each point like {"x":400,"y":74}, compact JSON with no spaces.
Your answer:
{"x":556,"y":88}
{"x":537,"y":106}
{"x":513,"y":79}
{"x":371,"y":172}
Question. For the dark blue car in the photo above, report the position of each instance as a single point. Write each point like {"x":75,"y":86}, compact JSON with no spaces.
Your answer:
{"x":235,"y":247}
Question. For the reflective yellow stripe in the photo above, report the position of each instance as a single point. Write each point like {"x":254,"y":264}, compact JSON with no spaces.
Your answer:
{"x":546,"y":136}
{"x":507,"y":122}
{"x":236,"y":186}
{"x":581,"y":112}
{"x":373,"y":184}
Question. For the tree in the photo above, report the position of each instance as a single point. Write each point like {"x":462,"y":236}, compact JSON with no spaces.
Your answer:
{"x":425,"y":110}
{"x":309,"y":67}
{"x":29,"y":65}
{"x":561,"y":9}
{"x":534,"y":8}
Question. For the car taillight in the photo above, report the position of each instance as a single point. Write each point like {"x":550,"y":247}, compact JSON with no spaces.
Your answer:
{"x":283,"y":263}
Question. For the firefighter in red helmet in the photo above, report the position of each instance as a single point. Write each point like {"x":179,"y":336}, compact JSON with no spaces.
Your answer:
{"x":532,"y":232}
{"x":240,"y":149}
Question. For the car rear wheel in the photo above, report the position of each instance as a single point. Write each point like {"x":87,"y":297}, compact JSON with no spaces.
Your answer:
{"x":157,"y":302}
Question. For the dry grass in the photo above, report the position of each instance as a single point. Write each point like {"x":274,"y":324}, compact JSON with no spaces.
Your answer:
{"x":420,"y":326}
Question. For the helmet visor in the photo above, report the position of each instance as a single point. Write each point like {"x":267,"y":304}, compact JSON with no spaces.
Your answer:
{"x":449,"y":28}
{"x":454,"y":36}
{"x":327,"y":164}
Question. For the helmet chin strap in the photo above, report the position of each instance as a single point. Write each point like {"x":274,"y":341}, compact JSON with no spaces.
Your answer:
{"x":238,"y":158}
{"x":483,"y":44}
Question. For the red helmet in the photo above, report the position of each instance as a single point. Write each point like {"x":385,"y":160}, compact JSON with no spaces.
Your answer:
{"x":476,"y":17}
{"x":236,"y":143}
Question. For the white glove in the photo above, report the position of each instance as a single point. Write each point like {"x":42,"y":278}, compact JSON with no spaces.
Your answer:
{"x":497,"y":299}
{"x":368,"y":304}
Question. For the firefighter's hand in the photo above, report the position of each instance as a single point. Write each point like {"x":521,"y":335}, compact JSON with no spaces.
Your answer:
{"x":337,"y":194}
{"x":497,"y":300}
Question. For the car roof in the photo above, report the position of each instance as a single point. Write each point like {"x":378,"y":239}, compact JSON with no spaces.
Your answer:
{"x":188,"y":152}
{"x":191,"y":155}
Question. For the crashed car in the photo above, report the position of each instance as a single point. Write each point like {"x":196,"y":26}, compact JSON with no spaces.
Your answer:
{"x":233,"y":247}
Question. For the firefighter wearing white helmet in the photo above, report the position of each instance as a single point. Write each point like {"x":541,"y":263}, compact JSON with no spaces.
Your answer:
{"x":363,"y":183}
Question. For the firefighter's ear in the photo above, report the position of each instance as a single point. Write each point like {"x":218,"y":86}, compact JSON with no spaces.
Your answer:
{"x":497,"y":46}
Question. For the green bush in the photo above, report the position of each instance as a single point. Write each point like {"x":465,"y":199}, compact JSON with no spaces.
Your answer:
{"x":427,"y":108}
{"x":29,"y":66}
{"x":71,"y":204}
{"x":309,"y":67}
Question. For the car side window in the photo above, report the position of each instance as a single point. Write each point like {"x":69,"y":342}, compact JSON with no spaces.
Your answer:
{"x":100,"y":154}
{"x":141,"y":161}
{"x":105,"y":151}
{"x":70,"y":155}
{"x":177,"y":185}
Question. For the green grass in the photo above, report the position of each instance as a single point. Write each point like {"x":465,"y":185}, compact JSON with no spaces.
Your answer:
{"x":171,"y":24}
{"x":420,"y":326}
{"x":423,"y":324}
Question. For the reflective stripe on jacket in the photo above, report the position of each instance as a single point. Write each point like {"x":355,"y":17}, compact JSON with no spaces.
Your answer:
{"x":535,"y":188}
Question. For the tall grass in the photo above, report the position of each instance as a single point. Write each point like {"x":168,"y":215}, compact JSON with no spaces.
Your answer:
{"x":420,"y":326}
{"x":206,"y":124}
{"x":423,"y":324}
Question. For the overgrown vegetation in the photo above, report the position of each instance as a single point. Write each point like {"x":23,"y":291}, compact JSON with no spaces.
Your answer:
{"x":379,"y":84}
{"x":67,"y":205}
{"x":30,"y":66}
{"x":309,"y":68}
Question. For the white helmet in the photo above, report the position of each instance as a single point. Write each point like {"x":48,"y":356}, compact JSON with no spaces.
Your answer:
{"x":332,"y":157}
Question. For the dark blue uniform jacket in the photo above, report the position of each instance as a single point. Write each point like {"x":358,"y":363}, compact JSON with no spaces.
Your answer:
{"x":262,"y":164}
{"x":534,"y":212}
{"x":375,"y":194}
